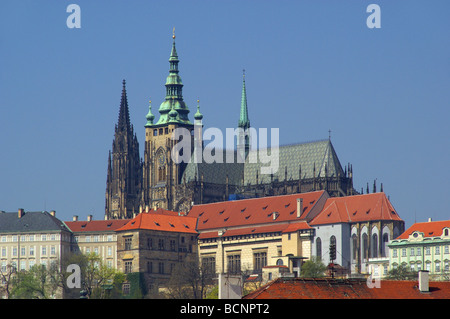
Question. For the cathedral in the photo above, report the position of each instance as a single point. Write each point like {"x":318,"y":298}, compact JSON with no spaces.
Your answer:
{"x":134,"y":184}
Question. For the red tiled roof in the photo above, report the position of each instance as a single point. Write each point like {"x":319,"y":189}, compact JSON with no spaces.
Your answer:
{"x":321,"y":288}
{"x":162,"y":220}
{"x":357,"y":208}
{"x":96,"y":225}
{"x":429,"y":229}
{"x":293,"y":227}
{"x":254,"y":211}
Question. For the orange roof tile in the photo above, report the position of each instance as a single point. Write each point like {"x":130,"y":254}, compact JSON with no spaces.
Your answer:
{"x":429,"y":229}
{"x":357,"y":208}
{"x":323,"y":288}
{"x":162,"y":220}
{"x":96,"y":225}
{"x":254,"y":211}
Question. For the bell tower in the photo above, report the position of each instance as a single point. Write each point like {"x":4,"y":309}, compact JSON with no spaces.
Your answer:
{"x":161,"y":173}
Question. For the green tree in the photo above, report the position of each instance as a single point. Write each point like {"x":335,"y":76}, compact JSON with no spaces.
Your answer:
{"x":313,"y":268}
{"x":39,"y":282}
{"x":402,"y":273}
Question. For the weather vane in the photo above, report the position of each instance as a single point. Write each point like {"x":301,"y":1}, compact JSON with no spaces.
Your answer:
{"x":173,"y":33}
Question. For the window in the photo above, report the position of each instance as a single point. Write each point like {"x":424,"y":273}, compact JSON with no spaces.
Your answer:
{"x":22,"y":251}
{"x":109,"y":251}
{"x":161,"y":268}
{"x":44,"y":237}
{"x":411,"y":253}
{"x":259,"y":260}
{"x":403,"y":252}
{"x":126,"y":289}
{"x":427,"y":252}
{"x":44,"y":250}
{"x":128,"y":267}
{"x":52,"y":250}
{"x":446,"y":249}
{"x":446,"y":265}
{"x":3,"y":251}
{"x":419,"y":252}
{"x":150,"y":243}
{"x":149,"y":266}
{"x":394,"y":253}
{"x":319,"y":248}
{"x":128,"y":241}
{"x":172,"y":245}
{"x":354,"y":246}
{"x":155,"y":132}
{"x":209,"y":265}
{"x":437,"y":266}
{"x":31,"y":251}
{"x":14,"y":252}
{"x":234,"y":264}
{"x":161,"y":244}
{"x":437,"y":250}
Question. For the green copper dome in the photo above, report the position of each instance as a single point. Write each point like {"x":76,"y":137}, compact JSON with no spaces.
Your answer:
{"x":150,"y":117}
{"x":198,"y":115}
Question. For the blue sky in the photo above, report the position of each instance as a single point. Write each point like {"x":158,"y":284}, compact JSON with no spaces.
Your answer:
{"x":311,"y":66}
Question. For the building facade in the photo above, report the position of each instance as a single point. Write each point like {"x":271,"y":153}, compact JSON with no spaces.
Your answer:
{"x":154,"y":243}
{"x":423,"y":246}
{"x":96,"y":236}
{"x":361,"y":227}
{"x":32,"y":238}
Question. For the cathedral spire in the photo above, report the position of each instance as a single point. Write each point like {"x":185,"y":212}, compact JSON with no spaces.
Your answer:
{"x":244,"y":121}
{"x":173,"y":109}
{"x":124,"y":114}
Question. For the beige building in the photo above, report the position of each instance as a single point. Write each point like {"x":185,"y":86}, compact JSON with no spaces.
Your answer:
{"x":30,"y":238}
{"x":244,"y":236}
{"x":96,"y":236}
{"x":153,"y":243}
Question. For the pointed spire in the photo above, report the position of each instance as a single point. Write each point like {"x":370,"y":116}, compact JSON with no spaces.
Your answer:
{"x":244,"y":121}
{"x":124,"y":114}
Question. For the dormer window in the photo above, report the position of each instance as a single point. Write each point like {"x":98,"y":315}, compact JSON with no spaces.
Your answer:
{"x":446,"y":232}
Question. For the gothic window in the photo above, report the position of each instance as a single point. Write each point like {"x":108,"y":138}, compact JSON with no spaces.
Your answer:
{"x":384,"y":246}
{"x":365,"y":247}
{"x":319,"y":248}
{"x":354,"y":246}
{"x":161,"y":165}
{"x":374,"y":245}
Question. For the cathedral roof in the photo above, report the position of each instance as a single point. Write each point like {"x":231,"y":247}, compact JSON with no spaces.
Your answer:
{"x":311,"y":159}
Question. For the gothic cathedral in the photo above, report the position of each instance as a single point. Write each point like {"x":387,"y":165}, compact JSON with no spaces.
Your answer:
{"x":160,"y":180}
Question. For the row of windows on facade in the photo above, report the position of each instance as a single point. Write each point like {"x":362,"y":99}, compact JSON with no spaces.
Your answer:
{"x":150,"y":267}
{"x":32,"y":237}
{"x":417,"y":266}
{"x":417,"y":251}
{"x":161,"y":244}
{"x":31,"y":251}
{"x":25,"y":264}
{"x":94,"y":238}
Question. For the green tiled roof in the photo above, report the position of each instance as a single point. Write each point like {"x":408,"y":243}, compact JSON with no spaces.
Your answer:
{"x":320,"y":154}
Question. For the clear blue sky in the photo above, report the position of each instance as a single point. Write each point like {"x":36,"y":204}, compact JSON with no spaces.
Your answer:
{"x":310,"y":66}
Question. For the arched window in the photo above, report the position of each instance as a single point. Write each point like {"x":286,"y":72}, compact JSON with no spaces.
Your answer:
{"x":384,"y":247}
{"x":374,"y":245}
{"x":354,"y":246}
{"x":365,"y":242}
{"x":319,"y":248}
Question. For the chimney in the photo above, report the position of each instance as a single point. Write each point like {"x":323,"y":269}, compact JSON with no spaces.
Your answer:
{"x":21,"y":212}
{"x":53,"y":213}
{"x":299,"y":207}
{"x":75,"y":218}
{"x":429,"y":219}
{"x":89,"y":218}
{"x":424,"y":281}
